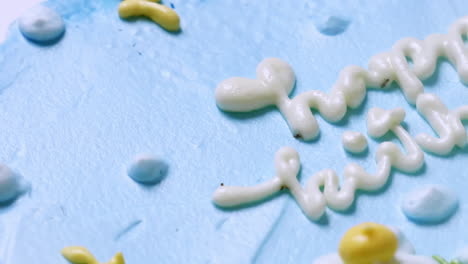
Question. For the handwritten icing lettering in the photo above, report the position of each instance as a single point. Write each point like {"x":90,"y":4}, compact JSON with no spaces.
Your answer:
{"x":339,"y":197}
{"x":275,"y":80}
{"x":447,"y":124}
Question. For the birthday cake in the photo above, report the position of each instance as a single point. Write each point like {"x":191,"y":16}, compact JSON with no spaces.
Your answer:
{"x":234,"y":132}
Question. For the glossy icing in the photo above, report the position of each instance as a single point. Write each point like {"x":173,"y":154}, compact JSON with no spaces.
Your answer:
{"x":338,"y":196}
{"x":371,"y":243}
{"x":447,"y":124}
{"x":160,"y":14}
{"x":80,"y":255}
{"x":147,"y":169}
{"x":368,"y":243}
{"x":41,"y":24}
{"x":241,"y":95}
{"x":354,"y":142}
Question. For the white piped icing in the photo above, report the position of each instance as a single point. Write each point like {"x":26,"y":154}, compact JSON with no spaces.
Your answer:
{"x":340,"y":197}
{"x":275,"y":79}
{"x":354,"y":142}
{"x":447,"y":124}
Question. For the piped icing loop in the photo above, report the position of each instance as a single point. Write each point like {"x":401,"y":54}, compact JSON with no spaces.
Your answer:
{"x":80,"y":255}
{"x":275,"y":79}
{"x":340,"y":197}
{"x":447,"y":124}
{"x":350,"y":88}
{"x":166,"y":17}
{"x":381,"y":121}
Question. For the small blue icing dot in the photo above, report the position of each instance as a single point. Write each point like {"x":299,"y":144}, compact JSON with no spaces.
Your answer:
{"x":430,"y":204}
{"x":148,"y":170}
{"x":332,"y":25}
{"x":11,"y":184}
{"x":41,"y":24}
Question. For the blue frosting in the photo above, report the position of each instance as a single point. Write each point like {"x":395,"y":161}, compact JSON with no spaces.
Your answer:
{"x":146,"y":169}
{"x":462,"y":255}
{"x":41,"y":24}
{"x":11,"y":185}
{"x":329,"y":17}
{"x":73,"y":114}
{"x":430,"y":204}
{"x":332,"y":25}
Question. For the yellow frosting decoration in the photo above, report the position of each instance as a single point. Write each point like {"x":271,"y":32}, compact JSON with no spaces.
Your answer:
{"x":164,"y":16}
{"x":368,"y":243}
{"x":80,"y":255}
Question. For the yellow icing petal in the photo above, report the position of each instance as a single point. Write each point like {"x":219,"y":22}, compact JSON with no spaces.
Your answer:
{"x":78,"y":255}
{"x":368,"y":243}
{"x":118,"y":259}
{"x":162,"y":15}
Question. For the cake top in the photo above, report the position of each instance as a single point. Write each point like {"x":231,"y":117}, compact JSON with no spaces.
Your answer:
{"x":75,"y":114}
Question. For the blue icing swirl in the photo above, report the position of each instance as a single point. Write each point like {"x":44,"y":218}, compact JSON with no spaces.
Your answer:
{"x":41,"y":24}
{"x":430,"y":204}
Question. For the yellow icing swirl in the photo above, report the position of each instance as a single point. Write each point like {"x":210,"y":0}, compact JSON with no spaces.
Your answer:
{"x":368,"y":243}
{"x":166,"y":17}
{"x":80,"y":255}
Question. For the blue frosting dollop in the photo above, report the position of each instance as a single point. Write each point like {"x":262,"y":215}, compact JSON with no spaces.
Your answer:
{"x":430,"y":204}
{"x":41,"y":24}
{"x":148,"y":170}
{"x":11,"y":184}
{"x":332,"y":25}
